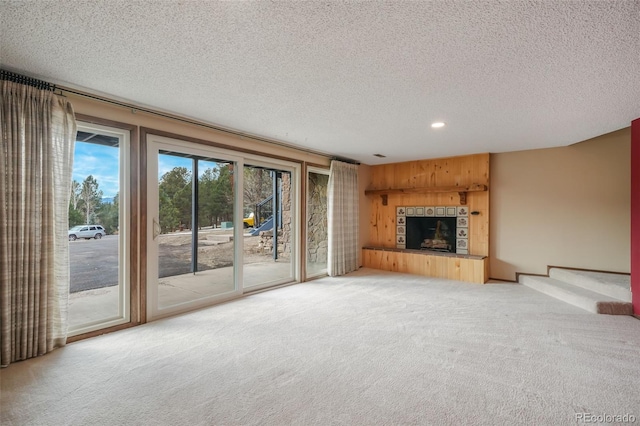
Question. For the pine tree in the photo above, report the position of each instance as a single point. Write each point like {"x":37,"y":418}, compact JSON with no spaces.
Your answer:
{"x":175,"y":199}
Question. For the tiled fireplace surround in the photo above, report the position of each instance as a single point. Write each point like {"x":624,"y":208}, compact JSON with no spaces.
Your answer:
{"x":461,"y":213}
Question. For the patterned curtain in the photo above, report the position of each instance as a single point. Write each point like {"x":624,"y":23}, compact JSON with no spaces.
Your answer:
{"x":38,"y":130}
{"x":342,"y":206}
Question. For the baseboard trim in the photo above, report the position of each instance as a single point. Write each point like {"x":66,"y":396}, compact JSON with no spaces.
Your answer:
{"x":100,"y":332}
{"x":502,"y":280}
{"x":531,"y":275}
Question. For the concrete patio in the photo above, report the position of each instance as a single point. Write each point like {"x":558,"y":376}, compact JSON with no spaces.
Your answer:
{"x":90,"y":306}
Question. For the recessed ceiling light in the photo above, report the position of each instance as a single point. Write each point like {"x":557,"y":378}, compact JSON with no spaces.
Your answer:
{"x":437,"y":124}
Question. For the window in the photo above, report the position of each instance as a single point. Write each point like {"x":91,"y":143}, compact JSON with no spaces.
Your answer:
{"x":98,"y":229}
{"x":317,"y":230}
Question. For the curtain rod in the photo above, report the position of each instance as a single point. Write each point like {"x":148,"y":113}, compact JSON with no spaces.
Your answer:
{"x":48,"y":86}
{"x":346,"y":160}
{"x":27,"y":81}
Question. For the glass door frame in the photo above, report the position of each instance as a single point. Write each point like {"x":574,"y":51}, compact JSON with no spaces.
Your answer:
{"x":295,"y":170}
{"x":155,"y":144}
{"x":124,"y":232}
{"x":320,"y":171}
{"x":151,"y":147}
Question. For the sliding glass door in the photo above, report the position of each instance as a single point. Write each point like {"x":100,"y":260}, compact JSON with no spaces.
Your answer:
{"x":270,"y":234}
{"x":219,"y":224}
{"x":191,"y":238}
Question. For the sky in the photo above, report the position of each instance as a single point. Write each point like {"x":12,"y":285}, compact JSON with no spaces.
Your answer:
{"x":99,"y":161}
{"x":102,"y":163}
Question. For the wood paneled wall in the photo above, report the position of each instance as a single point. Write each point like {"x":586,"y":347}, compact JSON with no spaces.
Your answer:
{"x":453,"y":171}
{"x":451,"y":268}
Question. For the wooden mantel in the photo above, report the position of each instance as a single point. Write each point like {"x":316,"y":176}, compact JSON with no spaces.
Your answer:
{"x":461,"y":190}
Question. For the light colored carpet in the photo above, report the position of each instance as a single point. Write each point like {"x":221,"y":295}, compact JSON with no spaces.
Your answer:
{"x":370,"y":348}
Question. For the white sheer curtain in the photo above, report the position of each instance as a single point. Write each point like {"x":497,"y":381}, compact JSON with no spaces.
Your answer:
{"x":38,"y":131}
{"x":342,"y":206}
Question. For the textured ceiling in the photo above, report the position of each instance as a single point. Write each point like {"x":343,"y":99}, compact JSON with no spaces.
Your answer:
{"x":350,"y":79}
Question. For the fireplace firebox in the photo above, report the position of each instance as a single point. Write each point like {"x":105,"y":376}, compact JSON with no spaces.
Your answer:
{"x":432,"y":233}
{"x":434,"y":228}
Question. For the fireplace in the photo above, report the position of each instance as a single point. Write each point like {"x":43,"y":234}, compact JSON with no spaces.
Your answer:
{"x":432,"y":233}
{"x":434,"y":228}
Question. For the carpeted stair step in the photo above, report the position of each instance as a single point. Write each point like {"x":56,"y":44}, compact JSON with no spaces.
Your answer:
{"x":577,"y":296}
{"x":614,"y":285}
